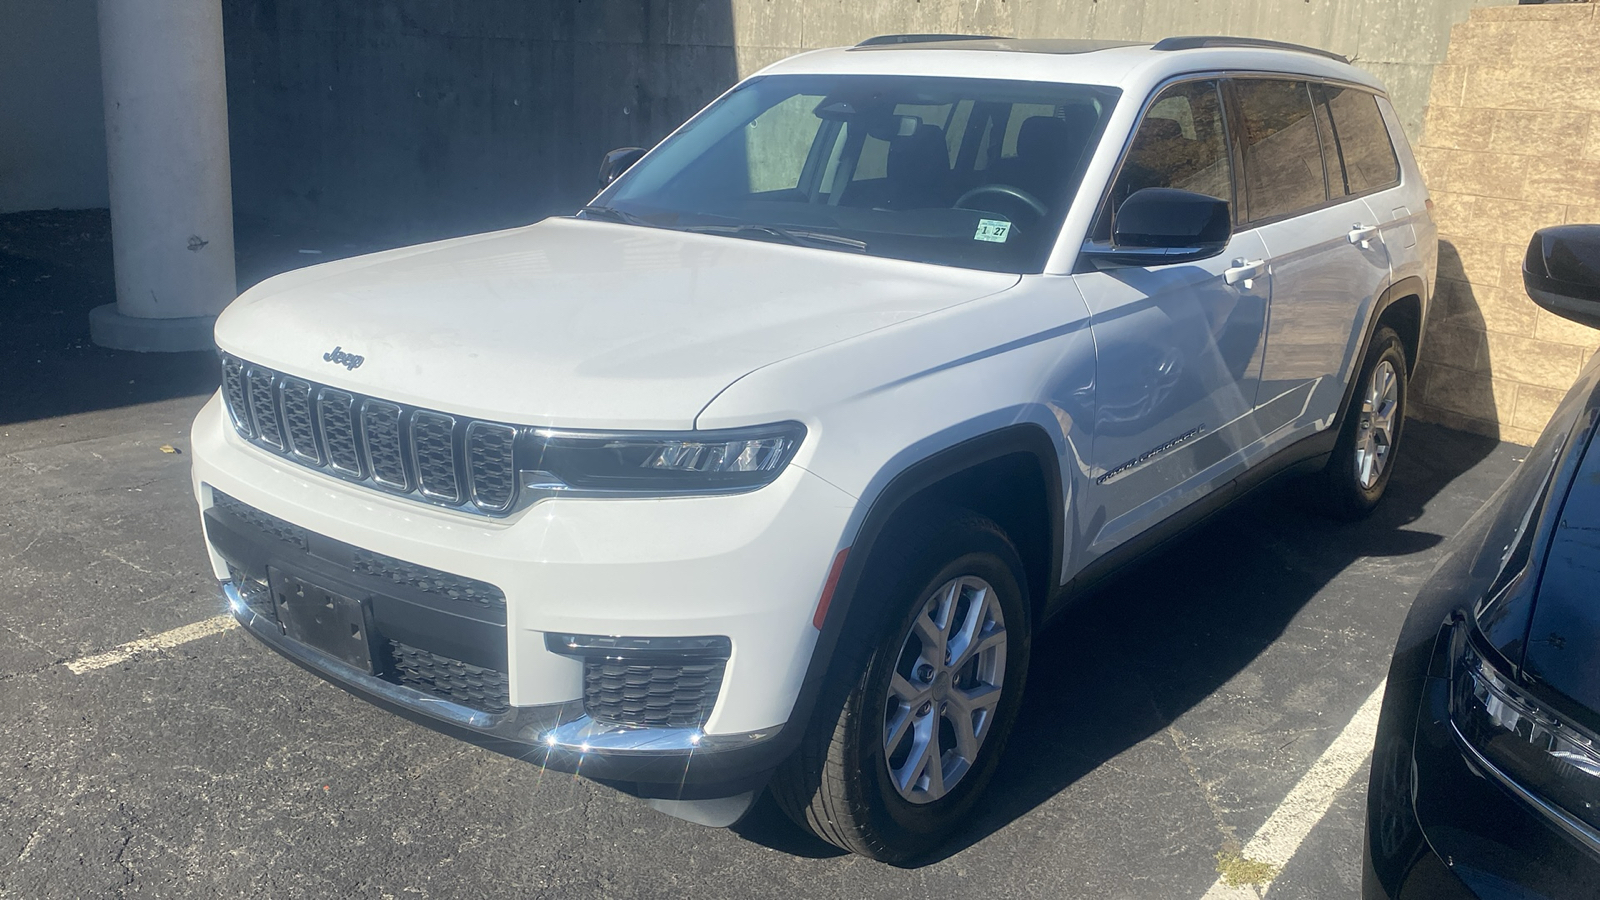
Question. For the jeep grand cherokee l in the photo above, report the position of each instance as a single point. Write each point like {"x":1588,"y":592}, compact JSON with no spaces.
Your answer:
{"x":762,"y":470}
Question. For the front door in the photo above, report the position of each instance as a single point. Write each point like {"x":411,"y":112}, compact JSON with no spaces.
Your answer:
{"x":1178,"y":347}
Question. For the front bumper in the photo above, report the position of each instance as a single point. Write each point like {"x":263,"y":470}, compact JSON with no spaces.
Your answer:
{"x":673,"y":763}
{"x":1473,"y":836}
{"x":748,"y":568}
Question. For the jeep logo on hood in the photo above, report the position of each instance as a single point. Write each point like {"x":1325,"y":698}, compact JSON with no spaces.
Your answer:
{"x":348,"y":360}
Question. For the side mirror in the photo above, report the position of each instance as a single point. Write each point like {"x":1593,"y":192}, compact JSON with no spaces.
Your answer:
{"x":614,"y":163}
{"x":1158,"y":226}
{"x":1562,"y":272}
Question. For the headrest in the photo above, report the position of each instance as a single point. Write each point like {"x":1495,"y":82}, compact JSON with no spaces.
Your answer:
{"x":1043,"y":137}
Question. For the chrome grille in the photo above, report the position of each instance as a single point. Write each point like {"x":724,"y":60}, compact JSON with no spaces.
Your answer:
{"x":420,"y":453}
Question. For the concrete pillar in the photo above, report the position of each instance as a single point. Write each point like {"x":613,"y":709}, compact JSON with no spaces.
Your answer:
{"x":167,"y":154}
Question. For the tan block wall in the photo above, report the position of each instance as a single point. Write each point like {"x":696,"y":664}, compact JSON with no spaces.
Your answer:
{"x":1510,"y":144}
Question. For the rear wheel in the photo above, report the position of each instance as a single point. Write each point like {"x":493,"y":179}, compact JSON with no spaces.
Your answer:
{"x":1363,"y":458}
{"x":926,"y":687}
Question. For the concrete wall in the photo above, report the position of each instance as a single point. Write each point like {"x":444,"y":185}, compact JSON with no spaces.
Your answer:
{"x":52,"y":140}
{"x":414,"y":118}
{"x":410,"y":119}
{"x":1512,"y":144}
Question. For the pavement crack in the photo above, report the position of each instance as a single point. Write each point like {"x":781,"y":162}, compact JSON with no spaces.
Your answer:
{"x":1230,"y":837}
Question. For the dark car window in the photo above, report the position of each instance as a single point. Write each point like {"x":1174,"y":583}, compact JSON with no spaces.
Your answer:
{"x":1283,"y":171}
{"x":1181,"y":143}
{"x":1369,"y":159}
{"x":1564,"y":635}
{"x":968,"y":172}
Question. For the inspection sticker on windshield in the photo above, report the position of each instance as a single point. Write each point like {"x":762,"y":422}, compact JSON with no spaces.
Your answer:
{"x":996,"y":230}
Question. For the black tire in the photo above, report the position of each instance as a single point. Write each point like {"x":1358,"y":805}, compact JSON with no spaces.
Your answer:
{"x":837,"y":784}
{"x":1343,"y":491}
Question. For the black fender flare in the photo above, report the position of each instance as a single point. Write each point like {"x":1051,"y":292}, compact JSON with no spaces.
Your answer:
{"x":1025,"y":438}
{"x":1410,"y":286}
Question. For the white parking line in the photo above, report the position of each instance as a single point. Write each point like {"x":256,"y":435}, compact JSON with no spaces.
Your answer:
{"x":163,"y":641}
{"x":1275,"y":844}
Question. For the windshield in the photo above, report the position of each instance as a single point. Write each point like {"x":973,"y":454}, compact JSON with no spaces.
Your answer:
{"x":966,"y":172}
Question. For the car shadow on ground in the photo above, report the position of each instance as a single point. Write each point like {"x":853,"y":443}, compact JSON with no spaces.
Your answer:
{"x":1151,"y":643}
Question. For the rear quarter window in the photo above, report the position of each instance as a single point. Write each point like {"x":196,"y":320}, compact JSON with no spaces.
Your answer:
{"x":1369,"y":158}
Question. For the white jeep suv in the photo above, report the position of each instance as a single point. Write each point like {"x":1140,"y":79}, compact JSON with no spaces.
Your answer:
{"x":762,"y":470}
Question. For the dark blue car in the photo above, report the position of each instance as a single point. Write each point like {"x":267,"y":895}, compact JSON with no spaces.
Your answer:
{"x":1486,"y":773}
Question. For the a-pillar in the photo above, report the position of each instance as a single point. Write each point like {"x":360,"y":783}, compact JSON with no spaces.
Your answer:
{"x":167,"y":151}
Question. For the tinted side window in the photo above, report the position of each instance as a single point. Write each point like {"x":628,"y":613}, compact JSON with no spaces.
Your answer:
{"x":1332,"y":163}
{"x":1282,"y":152}
{"x":1182,"y":143}
{"x":1369,"y":159}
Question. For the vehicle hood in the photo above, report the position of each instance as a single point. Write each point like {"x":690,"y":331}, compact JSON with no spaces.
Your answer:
{"x":577,"y":323}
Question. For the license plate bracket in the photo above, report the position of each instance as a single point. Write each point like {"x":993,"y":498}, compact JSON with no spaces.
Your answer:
{"x":322,"y":619}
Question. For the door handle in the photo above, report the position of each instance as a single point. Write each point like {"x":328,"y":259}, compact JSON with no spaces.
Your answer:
{"x":1363,"y":235}
{"x":1245,"y":271}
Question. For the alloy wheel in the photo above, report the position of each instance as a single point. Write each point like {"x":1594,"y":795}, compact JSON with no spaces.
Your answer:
{"x":945,"y":689}
{"x":1379,"y":420}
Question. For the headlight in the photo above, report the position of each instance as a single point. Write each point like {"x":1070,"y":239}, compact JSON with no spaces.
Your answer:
{"x":689,"y":462}
{"x":1555,"y":762}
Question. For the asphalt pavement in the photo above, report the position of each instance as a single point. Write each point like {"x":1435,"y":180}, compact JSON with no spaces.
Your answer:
{"x":1167,"y":717}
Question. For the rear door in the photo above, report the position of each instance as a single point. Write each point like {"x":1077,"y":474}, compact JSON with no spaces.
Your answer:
{"x":1327,"y":254}
{"x":1368,"y":160}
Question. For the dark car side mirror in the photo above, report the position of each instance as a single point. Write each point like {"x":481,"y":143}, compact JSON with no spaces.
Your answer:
{"x":1562,"y":271}
{"x":614,"y":163}
{"x":1157,"y":226}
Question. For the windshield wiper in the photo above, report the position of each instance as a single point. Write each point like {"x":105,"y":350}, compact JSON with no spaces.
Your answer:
{"x":799,"y":237}
{"x":615,"y":215}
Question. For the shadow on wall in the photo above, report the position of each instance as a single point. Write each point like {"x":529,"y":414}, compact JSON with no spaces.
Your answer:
{"x":407,"y":120}
{"x":1453,"y":385}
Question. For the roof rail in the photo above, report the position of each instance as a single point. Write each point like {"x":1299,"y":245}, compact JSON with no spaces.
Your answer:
{"x":884,"y":39}
{"x":1194,"y":42}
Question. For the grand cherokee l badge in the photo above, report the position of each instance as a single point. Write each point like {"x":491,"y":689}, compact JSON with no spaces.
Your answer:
{"x":348,"y":360}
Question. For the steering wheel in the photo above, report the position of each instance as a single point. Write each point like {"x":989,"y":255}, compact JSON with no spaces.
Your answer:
{"x":1004,"y":190}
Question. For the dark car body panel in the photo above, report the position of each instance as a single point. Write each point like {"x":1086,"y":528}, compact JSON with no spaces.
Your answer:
{"x":1438,"y":824}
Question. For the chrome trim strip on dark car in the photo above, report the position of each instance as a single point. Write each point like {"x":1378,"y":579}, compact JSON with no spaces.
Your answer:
{"x":1567,"y":822}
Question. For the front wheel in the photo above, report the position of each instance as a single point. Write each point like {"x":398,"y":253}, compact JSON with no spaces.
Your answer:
{"x":1363,"y":458}
{"x":923,"y":694}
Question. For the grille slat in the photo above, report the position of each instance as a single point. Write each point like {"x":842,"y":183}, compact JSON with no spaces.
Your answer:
{"x":380,"y":422}
{"x":490,"y":465}
{"x":336,"y":411}
{"x":433,"y":448}
{"x":421,"y":453}
{"x":233,"y":391}
{"x":299,"y":431}
{"x":450,"y":679}
{"x":264,"y":406}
